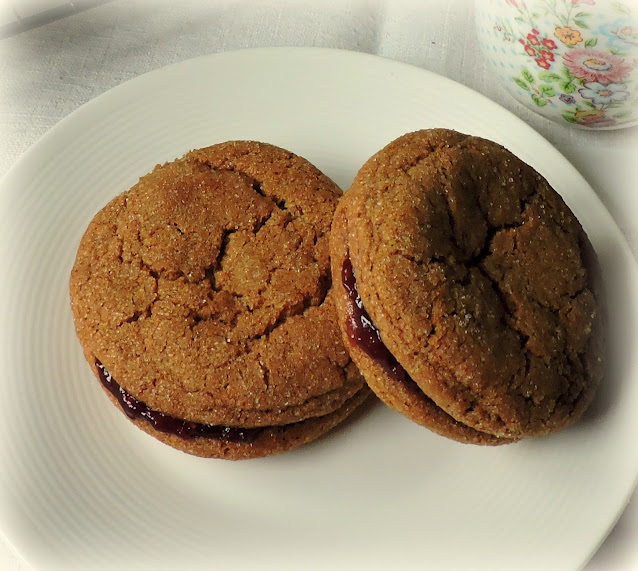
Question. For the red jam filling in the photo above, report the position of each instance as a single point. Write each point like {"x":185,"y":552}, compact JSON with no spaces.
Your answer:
{"x":164,"y":423}
{"x":362,"y":332}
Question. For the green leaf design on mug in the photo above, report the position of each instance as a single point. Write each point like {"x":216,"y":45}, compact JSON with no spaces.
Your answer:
{"x":538,"y":100}
{"x":547,"y":90}
{"x":569,"y":117}
{"x":619,"y":7}
{"x":548,"y":76}
{"x":567,"y":86}
{"x":528,"y":76}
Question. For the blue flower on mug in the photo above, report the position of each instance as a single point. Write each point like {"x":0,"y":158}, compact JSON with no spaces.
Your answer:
{"x":603,"y":94}
{"x":569,"y":99}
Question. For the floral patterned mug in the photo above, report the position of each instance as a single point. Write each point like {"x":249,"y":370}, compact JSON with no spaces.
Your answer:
{"x":573,"y":61}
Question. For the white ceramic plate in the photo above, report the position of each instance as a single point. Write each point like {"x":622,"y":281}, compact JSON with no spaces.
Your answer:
{"x":83,"y":488}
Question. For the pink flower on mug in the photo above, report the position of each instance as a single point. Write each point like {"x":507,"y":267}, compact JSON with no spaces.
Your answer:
{"x":542,"y":62}
{"x":549,"y":44}
{"x":533,"y":39}
{"x":596,"y":65}
{"x":627,"y":34}
{"x":530,"y":50}
{"x":604,"y":94}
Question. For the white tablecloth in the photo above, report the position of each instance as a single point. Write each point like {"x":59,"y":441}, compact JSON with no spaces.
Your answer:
{"x":58,"y":63}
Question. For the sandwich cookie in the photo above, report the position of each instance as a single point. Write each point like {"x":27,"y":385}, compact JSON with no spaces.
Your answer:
{"x":469,"y":294}
{"x":202,"y":299}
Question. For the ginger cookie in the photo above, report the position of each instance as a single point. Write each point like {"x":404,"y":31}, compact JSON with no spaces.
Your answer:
{"x":469,"y":293}
{"x":202,"y":299}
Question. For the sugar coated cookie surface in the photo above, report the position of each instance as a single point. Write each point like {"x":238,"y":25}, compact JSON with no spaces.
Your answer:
{"x":204,"y":294}
{"x":477,"y":280}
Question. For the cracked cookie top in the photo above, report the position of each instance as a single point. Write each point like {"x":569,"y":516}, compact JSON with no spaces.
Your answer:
{"x":205,"y":289}
{"x":481,"y":281}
